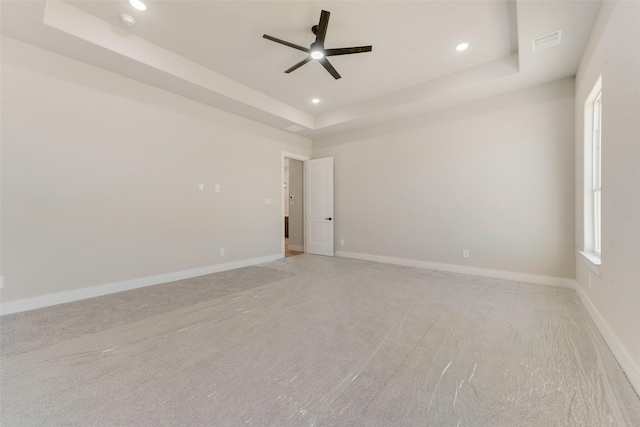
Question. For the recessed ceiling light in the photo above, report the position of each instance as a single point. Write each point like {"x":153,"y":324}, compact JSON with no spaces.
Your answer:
{"x":138,"y":4}
{"x":462,"y":46}
{"x":315,"y":100}
{"x":317,"y":54}
{"x":127,"y":19}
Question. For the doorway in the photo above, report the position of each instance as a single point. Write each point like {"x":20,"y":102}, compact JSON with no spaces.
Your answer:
{"x":293,"y":207}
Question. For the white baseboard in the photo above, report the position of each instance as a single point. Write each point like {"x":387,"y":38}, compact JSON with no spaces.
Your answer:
{"x":296,"y":248}
{"x":630,"y":368}
{"x":627,"y":364}
{"x":126,"y":285}
{"x":484,"y":272}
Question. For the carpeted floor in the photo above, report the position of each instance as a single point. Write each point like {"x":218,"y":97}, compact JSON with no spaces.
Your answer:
{"x":313,"y":340}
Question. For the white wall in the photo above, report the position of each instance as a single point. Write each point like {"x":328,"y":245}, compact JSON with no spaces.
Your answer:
{"x":614,"y":298}
{"x":494,"y":177}
{"x":100,"y":178}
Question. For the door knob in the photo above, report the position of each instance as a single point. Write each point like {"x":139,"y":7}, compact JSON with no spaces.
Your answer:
{"x":328,"y":219}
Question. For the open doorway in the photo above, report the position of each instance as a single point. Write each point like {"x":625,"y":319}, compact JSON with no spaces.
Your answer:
{"x":293,"y":207}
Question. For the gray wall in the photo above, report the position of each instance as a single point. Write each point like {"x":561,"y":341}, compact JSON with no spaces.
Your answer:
{"x":614,"y":297}
{"x":100,"y":178}
{"x":494,"y":177}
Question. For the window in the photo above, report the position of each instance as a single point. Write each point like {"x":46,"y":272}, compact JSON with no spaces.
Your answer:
{"x":593,"y":178}
{"x":596,"y":175}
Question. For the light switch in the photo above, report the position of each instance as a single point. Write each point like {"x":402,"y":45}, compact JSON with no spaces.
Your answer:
{"x":267,"y":201}
{"x":200,"y":187}
{"x":217,"y":188}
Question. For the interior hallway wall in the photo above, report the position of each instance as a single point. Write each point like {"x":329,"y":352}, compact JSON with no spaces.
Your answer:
{"x":494,"y":177}
{"x":100,"y":178}
{"x":286,"y":188}
{"x":614,"y":297}
{"x":296,"y":211}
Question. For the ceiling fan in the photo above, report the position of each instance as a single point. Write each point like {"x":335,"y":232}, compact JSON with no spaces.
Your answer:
{"x":317,"y":50}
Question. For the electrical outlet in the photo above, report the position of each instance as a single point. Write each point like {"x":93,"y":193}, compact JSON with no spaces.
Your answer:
{"x":267,"y":201}
{"x":200,"y":187}
{"x":217,"y":188}
{"x":465,"y":253}
{"x":341,"y":242}
{"x":221,"y":251}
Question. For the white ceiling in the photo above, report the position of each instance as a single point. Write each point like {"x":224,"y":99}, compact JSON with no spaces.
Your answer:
{"x":213,"y":52}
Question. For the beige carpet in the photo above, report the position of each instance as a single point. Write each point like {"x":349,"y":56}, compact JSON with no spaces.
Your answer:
{"x":315,"y":341}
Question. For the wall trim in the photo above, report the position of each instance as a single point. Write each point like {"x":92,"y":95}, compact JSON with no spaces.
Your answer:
{"x":126,"y":285}
{"x":298,"y":248}
{"x":627,"y":364}
{"x":484,"y":272}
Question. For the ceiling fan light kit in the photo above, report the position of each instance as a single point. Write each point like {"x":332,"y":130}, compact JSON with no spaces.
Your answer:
{"x":317,"y":50}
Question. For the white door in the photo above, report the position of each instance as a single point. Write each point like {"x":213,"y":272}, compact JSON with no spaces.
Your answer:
{"x":319,"y":206}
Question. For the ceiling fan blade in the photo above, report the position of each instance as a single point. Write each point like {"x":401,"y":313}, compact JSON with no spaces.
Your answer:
{"x":295,"y":46}
{"x":327,"y":65}
{"x":347,"y":50}
{"x":299,"y":64}
{"x":322,"y":27}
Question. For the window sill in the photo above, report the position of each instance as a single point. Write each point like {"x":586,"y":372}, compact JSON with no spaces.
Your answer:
{"x":593,"y":261}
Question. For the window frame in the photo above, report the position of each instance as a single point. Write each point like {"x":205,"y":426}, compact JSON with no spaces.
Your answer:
{"x":596,"y":174}
{"x":592,"y":250}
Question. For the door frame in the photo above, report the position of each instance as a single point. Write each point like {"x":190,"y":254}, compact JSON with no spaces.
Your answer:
{"x":294,"y":156}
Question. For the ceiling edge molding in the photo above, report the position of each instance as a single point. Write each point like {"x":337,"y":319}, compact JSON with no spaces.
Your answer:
{"x":81,"y":25}
{"x":481,"y":74}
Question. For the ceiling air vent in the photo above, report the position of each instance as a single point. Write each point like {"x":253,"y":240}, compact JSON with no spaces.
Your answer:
{"x":294,"y":128}
{"x":546,"y":41}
